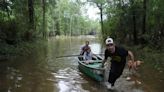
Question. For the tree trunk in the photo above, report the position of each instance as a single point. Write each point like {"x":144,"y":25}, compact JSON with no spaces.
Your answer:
{"x":57,"y":28}
{"x":101,"y":15}
{"x":28,"y":34}
{"x":100,"y":6}
{"x":44,"y":19}
{"x":31,"y":13}
{"x":135,"y":38}
{"x":144,"y":17}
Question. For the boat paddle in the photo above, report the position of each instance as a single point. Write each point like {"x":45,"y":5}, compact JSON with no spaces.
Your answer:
{"x":68,"y":56}
{"x":79,"y":55}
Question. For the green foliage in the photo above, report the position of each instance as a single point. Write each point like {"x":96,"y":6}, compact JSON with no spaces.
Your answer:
{"x":49,"y":18}
{"x":150,"y":57}
{"x":62,"y":17}
{"x":22,"y":49}
{"x":120,"y":21}
{"x":69,"y":20}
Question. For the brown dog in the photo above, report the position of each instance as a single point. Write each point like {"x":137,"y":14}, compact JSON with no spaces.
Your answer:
{"x":134,"y":65}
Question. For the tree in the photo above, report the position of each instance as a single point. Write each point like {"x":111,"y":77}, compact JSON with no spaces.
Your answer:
{"x":144,"y":17}
{"x":101,"y":4}
{"x":31,"y":14}
{"x":44,"y":19}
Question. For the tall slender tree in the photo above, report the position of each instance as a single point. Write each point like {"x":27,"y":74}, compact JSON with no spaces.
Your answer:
{"x":31,"y":13}
{"x":135,"y":38}
{"x":44,"y":18}
{"x":144,"y":17}
{"x":101,"y":4}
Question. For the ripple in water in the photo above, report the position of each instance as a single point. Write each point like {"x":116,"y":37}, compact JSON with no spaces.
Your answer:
{"x":69,"y":80}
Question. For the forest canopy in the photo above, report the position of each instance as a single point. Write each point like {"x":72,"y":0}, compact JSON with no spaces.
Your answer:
{"x":129,"y":21}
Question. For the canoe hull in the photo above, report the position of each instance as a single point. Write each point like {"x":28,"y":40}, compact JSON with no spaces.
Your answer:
{"x":93,"y":70}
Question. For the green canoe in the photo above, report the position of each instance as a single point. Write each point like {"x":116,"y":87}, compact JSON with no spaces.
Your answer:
{"x":92,"y":69}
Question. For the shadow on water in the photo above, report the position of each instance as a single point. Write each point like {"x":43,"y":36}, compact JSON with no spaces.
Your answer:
{"x":25,"y":74}
{"x":41,"y":71}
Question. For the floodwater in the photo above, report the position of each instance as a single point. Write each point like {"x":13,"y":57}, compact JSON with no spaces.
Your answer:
{"x":41,"y":71}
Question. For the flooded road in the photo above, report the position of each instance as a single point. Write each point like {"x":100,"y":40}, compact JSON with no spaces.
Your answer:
{"x":41,"y":71}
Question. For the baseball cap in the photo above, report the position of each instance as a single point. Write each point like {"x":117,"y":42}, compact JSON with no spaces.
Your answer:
{"x":109,"y":41}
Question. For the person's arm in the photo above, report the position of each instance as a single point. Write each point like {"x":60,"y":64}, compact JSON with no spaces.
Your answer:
{"x":131,"y":57}
{"x":105,"y":58}
{"x":82,"y":51}
{"x":103,"y":62}
{"x":84,"y":56}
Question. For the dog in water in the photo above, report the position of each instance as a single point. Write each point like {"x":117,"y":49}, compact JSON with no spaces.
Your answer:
{"x":134,"y":65}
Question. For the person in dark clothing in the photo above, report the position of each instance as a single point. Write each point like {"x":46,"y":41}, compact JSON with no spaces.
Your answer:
{"x":85,"y":48}
{"x":118,"y":60}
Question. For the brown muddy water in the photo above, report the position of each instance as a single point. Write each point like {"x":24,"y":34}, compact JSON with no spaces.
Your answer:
{"x":41,"y":71}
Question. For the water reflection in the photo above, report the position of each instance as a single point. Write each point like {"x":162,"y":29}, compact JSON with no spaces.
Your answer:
{"x":69,"y":80}
{"x":26,"y":74}
{"x":96,"y":48}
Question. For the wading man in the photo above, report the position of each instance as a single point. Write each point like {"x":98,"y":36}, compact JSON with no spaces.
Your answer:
{"x":118,"y":60}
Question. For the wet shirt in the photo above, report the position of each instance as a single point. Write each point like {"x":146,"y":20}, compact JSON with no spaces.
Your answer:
{"x":119,"y":56}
